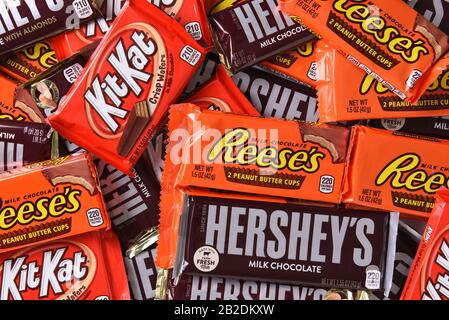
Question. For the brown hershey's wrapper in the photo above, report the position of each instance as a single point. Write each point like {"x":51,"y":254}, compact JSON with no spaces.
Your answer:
{"x":251,"y":31}
{"x":286,"y":243}
{"x":23,"y":143}
{"x":215,"y":288}
{"x":26,"y":22}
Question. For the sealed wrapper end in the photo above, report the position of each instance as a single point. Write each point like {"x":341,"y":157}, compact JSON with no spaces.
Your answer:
{"x":189,"y":13}
{"x":430,"y":269}
{"x":82,"y":267}
{"x":221,"y":94}
{"x":405,"y":177}
{"x":216,"y":288}
{"x":250,"y":31}
{"x":25,"y":22}
{"x":23,"y":143}
{"x":118,"y":103}
{"x":250,"y":154}
{"x":40,"y":96}
{"x":275,"y":95}
{"x":29,"y":62}
{"x":405,"y":60}
{"x":287,"y":243}
{"x":346,"y":93}
{"x":298,"y":63}
{"x":47,"y":201}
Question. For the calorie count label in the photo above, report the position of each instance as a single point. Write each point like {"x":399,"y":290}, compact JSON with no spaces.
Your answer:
{"x":94,"y":217}
{"x":190,"y":55}
{"x":82,"y":9}
{"x":194,"y":29}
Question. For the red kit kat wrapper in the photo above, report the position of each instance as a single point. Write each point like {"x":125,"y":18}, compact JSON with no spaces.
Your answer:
{"x":139,"y":69}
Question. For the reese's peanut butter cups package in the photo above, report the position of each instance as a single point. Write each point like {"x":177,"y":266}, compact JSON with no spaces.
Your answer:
{"x":25,"y":22}
{"x":387,"y":39}
{"x":48,"y":201}
{"x":241,"y":238}
{"x":346,"y":93}
{"x":116,"y":105}
{"x":27,"y":63}
{"x":223,"y":151}
{"x":407,"y":172}
{"x":250,"y":31}
{"x":428,"y":279}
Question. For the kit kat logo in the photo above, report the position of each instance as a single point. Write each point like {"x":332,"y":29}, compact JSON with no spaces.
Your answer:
{"x":435,"y":273}
{"x":61,"y":270}
{"x":134,"y":70}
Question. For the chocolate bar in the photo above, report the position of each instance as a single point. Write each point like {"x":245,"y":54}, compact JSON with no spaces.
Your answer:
{"x":436,"y":11}
{"x":215,"y":288}
{"x":101,"y":102}
{"x":437,"y":127}
{"x":138,"y":121}
{"x":132,"y":203}
{"x":142,"y":274}
{"x":277,"y":96}
{"x":406,"y":247}
{"x":23,"y":143}
{"x":250,"y":31}
{"x":24,"y":22}
{"x":316,"y":246}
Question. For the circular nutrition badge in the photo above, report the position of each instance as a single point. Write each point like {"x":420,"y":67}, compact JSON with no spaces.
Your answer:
{"x":206,"y":259}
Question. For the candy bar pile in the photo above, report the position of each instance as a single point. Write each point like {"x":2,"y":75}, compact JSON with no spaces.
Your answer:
{"x":224,"y":150}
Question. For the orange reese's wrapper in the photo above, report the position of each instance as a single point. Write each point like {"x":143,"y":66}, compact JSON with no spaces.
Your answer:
{"x":48,"y":201}
{"x":395,"y":171}
{"x":252,"y":155}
